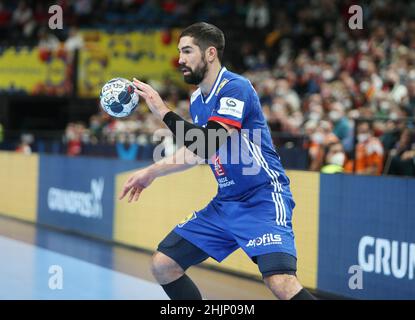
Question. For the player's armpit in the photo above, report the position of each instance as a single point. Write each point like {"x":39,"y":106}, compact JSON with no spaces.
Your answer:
{"x":230,"y":128}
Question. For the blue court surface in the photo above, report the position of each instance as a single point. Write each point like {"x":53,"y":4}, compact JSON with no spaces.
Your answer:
{"x":39,"y":263}
{"x":30,"y":272}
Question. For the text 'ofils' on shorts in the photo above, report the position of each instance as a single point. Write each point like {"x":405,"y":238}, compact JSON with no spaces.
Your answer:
{"x":186,"y":254}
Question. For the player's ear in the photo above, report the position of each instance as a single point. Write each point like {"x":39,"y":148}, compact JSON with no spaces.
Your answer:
{"x":211,"y":54}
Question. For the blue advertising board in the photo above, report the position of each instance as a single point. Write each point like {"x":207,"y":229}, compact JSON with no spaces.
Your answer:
{"x":367,"y":237}
{"x":77,"y":194}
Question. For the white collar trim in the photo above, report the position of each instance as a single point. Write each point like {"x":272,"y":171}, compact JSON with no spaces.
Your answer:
{"x":212,"y":92}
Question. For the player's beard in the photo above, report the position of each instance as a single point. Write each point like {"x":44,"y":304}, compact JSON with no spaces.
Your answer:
{"x":196,"y":76}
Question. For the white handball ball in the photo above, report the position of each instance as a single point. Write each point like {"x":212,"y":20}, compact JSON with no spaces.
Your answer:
{"x":118,"y":97}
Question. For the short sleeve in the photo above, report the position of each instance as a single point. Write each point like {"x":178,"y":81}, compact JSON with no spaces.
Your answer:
{"x":232,"y":103}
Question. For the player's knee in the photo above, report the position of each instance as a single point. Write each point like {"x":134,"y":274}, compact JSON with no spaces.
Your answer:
{"x":278,"y":280}
{"x":284,"y":286}
{"x":278,"y":270}
{"x":164,"y":268}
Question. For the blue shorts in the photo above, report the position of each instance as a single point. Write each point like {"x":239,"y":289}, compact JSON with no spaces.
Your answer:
{"x":259,"y":225}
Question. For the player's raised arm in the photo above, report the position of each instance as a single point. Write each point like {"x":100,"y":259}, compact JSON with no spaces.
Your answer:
{"x":204,"y":141}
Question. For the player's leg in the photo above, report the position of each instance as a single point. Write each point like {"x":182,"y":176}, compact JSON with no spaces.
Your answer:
{"x":287,"y":287}
{"x":200,"y":236}
{"x":278,"y":270}
{"x":283,"y":286}
{"x":165,"y":269}
{"x":262,"y":227}
{"x":174,"y":255}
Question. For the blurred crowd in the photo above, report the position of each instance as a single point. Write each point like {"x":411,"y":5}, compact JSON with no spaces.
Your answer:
{"x":349,"y":93}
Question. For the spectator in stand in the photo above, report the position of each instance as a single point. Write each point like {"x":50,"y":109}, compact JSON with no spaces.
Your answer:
{"x":329,"y":136}
{"x":369,"y":152}
{"x":258,"y":16}
{"x":309,"y":66}
{"x":73,"y":140}
{"x":74,"y":41}
{"x":402,"y":158}
{"x":24,"y":145}
{"x":257,"y":21}
{"x":316,"y":149}
{"x":84,"y":11}
{"x":24,"y":148}
{"x":321,"y":136}
{"x":334,"y":158}
{"x":341,"y":123}
{"x":127,"y":147}
{"x":23,"y":20}
{"x":5,"y":16}
{"x":410,"y":102}
{"x":390,"y":135}
{"x":47,"y":40}
{"x":283,"y":90}
{"x":394,"y":89}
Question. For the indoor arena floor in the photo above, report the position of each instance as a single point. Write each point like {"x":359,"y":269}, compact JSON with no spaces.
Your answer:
{"x":94,"y":270}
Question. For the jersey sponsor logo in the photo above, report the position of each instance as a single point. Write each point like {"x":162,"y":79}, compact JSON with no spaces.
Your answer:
{"x":224,"y":182}
{"x":219,"y":171}
{"x":190,"y":217}
{"x":231,"y":106}
{"x":265,"y":240}
{"x":387,"y":257}
{"x":221,"y":85}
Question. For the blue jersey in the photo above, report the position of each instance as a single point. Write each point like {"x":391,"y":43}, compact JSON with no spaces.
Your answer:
{"x":248,"y":160}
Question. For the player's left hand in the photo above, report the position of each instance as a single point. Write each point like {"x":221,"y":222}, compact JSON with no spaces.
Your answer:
{"x":152,"y":98}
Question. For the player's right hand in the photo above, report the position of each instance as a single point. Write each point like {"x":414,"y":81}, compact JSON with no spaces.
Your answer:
{"x":152,"y":98}
{"x":136,"y":183}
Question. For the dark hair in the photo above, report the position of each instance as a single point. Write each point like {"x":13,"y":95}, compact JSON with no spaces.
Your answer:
{"x":206,"y":35}
{"x":328,"y":147}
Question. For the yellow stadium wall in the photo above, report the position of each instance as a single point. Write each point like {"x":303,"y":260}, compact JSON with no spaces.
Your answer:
{"x":18,"y":187}
{"x":170,"y":199}
{"x":305,"y":187}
